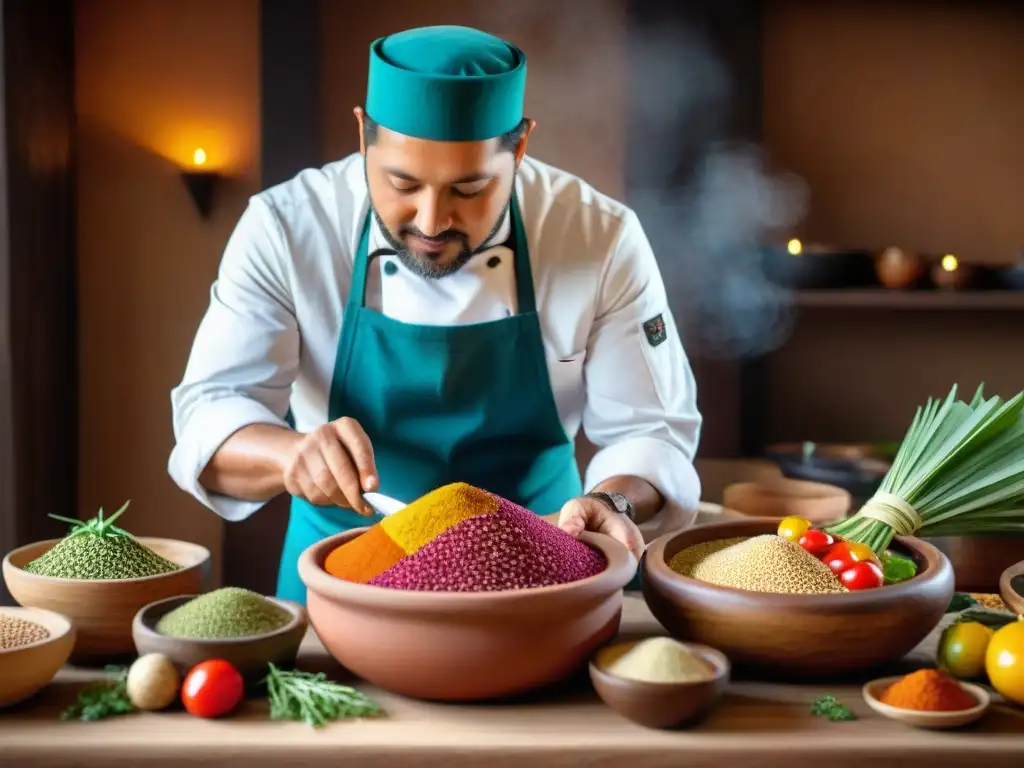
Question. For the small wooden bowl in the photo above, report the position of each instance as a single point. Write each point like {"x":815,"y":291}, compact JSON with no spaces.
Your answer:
{"x":661,"y":705}
{"x":782,"y":497}
{"x":932,"y":720}
{"x":793,"y":635}
{"x":249,"y":655}
{"x":1011,"y":588}
{"x":102,"y":609}
{"x":28,"y":668}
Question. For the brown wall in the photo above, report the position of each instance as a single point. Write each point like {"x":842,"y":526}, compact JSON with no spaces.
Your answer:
{"x":907,"y":121}
{"x":152,"y":84}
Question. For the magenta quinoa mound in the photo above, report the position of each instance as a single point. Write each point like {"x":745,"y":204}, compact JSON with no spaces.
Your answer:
{"x":510,"y":549}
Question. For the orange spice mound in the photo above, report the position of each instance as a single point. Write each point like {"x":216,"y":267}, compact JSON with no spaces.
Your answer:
{"x":928,"y":690}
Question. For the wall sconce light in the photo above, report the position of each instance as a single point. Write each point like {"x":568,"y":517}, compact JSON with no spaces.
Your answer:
{"x":201,"y":183}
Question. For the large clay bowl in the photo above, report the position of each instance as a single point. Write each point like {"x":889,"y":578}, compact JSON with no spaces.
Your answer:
{"x":464,"y":646}
{"x":797,"y":636}
{"x":250,"y":655}
{"x":26,"y":669}
{"x":102,"y":610}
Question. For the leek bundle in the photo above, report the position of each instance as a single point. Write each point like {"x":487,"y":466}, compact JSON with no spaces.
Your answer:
{"x":958,"y":472}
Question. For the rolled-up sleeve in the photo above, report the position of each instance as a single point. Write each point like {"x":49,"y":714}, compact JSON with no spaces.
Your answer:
{"x":641,"y":410}
{"x":244,"y":357}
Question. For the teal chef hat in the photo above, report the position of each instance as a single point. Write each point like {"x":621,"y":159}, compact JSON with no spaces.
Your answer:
{"x":446,"y":84}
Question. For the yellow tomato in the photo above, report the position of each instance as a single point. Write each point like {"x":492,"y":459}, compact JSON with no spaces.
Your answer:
{"x":792,"y":528}
{"x":861,"y":552}
{"x":962,"y":649}
{"x":1004,"y":661}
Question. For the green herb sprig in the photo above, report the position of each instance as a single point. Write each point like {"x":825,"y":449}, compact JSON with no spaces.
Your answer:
{"x":102,"y":699}
{"x":832,"y":709}
{"x":97,"y":526}
{"x":313,"y":699}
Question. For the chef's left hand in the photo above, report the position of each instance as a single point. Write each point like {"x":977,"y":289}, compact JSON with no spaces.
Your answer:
{"x":585,"y":514}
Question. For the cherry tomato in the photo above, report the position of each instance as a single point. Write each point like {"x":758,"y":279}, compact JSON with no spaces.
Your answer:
{"x":862,"y":575}
{"x":862,"y":552}
{"x":838,"y":558}
{"x":843,"y":554}
{"x":816,"y":542}
{"x":792,"y":528}
{"x":212,"y":688}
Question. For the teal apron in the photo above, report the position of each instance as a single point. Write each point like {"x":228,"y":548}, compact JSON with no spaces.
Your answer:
{"x":443,"y":404}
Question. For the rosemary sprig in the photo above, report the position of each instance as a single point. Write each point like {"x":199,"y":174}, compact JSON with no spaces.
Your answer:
{"x":313,"y":699}
{"x":97,"y":526}
{"x":102,"y":699}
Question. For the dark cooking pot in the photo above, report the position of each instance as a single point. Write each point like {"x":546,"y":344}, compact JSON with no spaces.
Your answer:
{"x":860,"y":477}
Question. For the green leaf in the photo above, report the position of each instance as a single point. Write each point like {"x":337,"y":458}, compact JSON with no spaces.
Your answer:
{"x":961,"y":601}
{"x":896,"y":568}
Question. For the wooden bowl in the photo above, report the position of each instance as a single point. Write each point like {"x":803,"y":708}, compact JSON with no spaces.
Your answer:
{"x":931,"y":720}
{"x":28,"y":668}
{"x":782,"y":497}
{"x":465,"y":646}
{"x":250,"y":655}
{"x":1011,"y":588}
{"x":793,"y":635}
{"x":102,"y":610}
{"x":661,"y":705}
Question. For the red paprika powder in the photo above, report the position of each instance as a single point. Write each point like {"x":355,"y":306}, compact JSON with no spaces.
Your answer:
{"x":928,"y":690}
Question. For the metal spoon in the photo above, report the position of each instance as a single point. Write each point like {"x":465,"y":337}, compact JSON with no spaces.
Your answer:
{"x":383,"y":505}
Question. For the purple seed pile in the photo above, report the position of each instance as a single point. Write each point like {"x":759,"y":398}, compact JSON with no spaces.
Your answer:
{"x":510,"y":549}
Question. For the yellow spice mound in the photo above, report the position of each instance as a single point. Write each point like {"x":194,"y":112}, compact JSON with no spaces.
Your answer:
{"x":760,"y":564}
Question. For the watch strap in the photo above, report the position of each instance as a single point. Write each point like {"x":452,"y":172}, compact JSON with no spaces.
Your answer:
{"x":615,"y":502}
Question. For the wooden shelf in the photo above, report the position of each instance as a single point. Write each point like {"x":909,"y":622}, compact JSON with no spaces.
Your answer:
{"x":884,"y":298}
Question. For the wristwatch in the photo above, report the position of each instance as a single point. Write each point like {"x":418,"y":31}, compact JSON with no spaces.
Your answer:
{"x":615,"y":502}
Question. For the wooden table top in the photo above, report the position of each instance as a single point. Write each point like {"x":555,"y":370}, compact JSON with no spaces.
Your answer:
{"x":755,"y":724}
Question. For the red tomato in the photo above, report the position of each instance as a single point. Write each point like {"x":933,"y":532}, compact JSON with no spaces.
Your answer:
{"x":838,"y":558}
{"x":862,"y":575}
{"x":816,"y":542}
{"x":212,"y":688}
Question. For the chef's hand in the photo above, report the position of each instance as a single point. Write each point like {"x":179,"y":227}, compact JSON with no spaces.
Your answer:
{"x":333,"y":464}
{"x":586,"y":514}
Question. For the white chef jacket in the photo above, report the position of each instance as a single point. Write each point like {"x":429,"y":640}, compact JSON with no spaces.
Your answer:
{"x":269,"y":337}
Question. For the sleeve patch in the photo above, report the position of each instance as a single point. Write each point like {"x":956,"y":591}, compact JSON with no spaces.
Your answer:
{"x":654,"y":330}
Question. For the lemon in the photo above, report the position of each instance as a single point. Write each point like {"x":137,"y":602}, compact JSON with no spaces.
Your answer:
{"x":962,"y":649}
{"x":1004,"y":661}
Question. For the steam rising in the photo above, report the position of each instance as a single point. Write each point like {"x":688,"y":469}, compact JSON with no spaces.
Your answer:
{"x":706,"y":202}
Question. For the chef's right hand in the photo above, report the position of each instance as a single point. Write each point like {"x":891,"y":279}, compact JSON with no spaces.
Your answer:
{"x":333,"y":464}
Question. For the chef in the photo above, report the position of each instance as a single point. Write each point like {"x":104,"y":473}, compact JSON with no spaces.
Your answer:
{"x":438,"y":307}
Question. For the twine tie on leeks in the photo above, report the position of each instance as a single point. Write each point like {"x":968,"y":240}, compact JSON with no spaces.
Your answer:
{"x":894,"y":512}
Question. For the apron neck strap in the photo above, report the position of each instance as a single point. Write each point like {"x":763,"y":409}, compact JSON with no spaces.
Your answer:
{"x":520,"y":248}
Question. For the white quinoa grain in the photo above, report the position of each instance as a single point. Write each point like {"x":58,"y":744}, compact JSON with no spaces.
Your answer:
{"x":765,"y":563}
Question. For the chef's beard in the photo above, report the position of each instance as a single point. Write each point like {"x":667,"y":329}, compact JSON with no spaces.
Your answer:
{"x":428,"y":268}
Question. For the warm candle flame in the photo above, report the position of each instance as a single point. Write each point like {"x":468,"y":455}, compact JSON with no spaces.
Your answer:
{"x":199,"y":156}
{"x":950,"y":262}
{"x":795,"y":247}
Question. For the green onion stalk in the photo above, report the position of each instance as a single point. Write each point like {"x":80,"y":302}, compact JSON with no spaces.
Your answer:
{"x":958,"y":472}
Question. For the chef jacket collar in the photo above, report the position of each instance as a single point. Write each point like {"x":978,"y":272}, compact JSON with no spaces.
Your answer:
{"x":501,"y":237}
